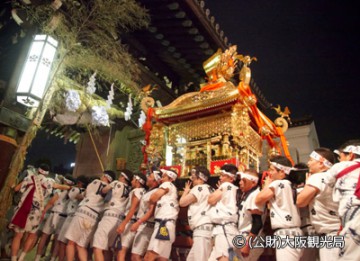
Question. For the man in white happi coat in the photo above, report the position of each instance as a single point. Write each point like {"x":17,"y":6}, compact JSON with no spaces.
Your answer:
{"x":76,"y":194}
{"x":345,"y":156}
{"x":114,"y":209}
{"x":309,"y":253}
{"x":35,"y":188}
{"x":144,"y":225}
{"x":56,"y":218}
{"x":344,"y":177}
{"x":251,"y":215}
{"x":224,"y":213}
{"x":318,"y":196}
{"x":196,"y":199}
{"x":279,"y":192}
{"x":127,"y":237}
{"x":84,"y":222}
{"x":166,"y":213}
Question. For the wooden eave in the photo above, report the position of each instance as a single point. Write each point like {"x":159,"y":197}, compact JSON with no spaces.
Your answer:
{"x":180,"y":37}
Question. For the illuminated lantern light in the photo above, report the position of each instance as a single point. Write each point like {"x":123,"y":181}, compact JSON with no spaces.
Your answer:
{"x":35,"y":73}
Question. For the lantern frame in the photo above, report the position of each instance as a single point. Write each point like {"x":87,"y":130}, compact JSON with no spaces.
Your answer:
{"x":35,"y":73}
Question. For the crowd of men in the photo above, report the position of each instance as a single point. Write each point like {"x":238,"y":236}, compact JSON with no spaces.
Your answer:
{"x":109,"y":218}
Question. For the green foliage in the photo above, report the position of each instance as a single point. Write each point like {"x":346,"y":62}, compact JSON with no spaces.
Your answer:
{"x":90,"y":35}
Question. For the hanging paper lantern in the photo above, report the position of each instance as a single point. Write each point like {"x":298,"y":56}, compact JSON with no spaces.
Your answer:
{"x":34,"y":78}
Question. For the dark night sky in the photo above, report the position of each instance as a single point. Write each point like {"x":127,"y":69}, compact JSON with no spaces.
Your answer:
{"x":308,"y":54}
{"x":49,"y":147}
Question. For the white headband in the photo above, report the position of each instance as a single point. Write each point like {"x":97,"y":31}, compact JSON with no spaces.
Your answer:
{"x":124,"y":175}
{"x":157,"y":175}
{"x":170,"y":173}
{"x":352,"y":149}
{"x":201,"y":175}
{"x":44,"y":172}
{"x":108,"y":177}
{"x":282,"y":167}
{"x":227,"y":173}
{"x":337,"y":152}
{"x":138,"y":178}
{"x":318,"y":157}
{"x":244,"y":175}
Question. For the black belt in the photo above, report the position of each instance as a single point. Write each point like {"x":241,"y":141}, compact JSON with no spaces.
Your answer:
{"x":92,"y":210}
{"x":164,"y":220}
{"x":88,"y":213}
{"x":59,"y":213}
{"x":308,"y":225}
{"x":308,"y":230}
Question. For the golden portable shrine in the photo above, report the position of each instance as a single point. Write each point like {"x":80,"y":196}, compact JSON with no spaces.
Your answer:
{"x":220,"y":123}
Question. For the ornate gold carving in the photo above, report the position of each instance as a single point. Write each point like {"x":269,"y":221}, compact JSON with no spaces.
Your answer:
{"x":147,"y":103}
{"x":264,"y":130}
{"x":250,"y":100}
{"x":221,"y":65}
{"x":210,"y":64}
{"x":225,"y":117}
{"x":284,"y":119}
{"x":197,"y":101}
{"x":220,"y":136}
{"x":245,"y":72}
{"x":282,"y":123}
{"x":199,"y":129}
{"x":283,"y":114}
